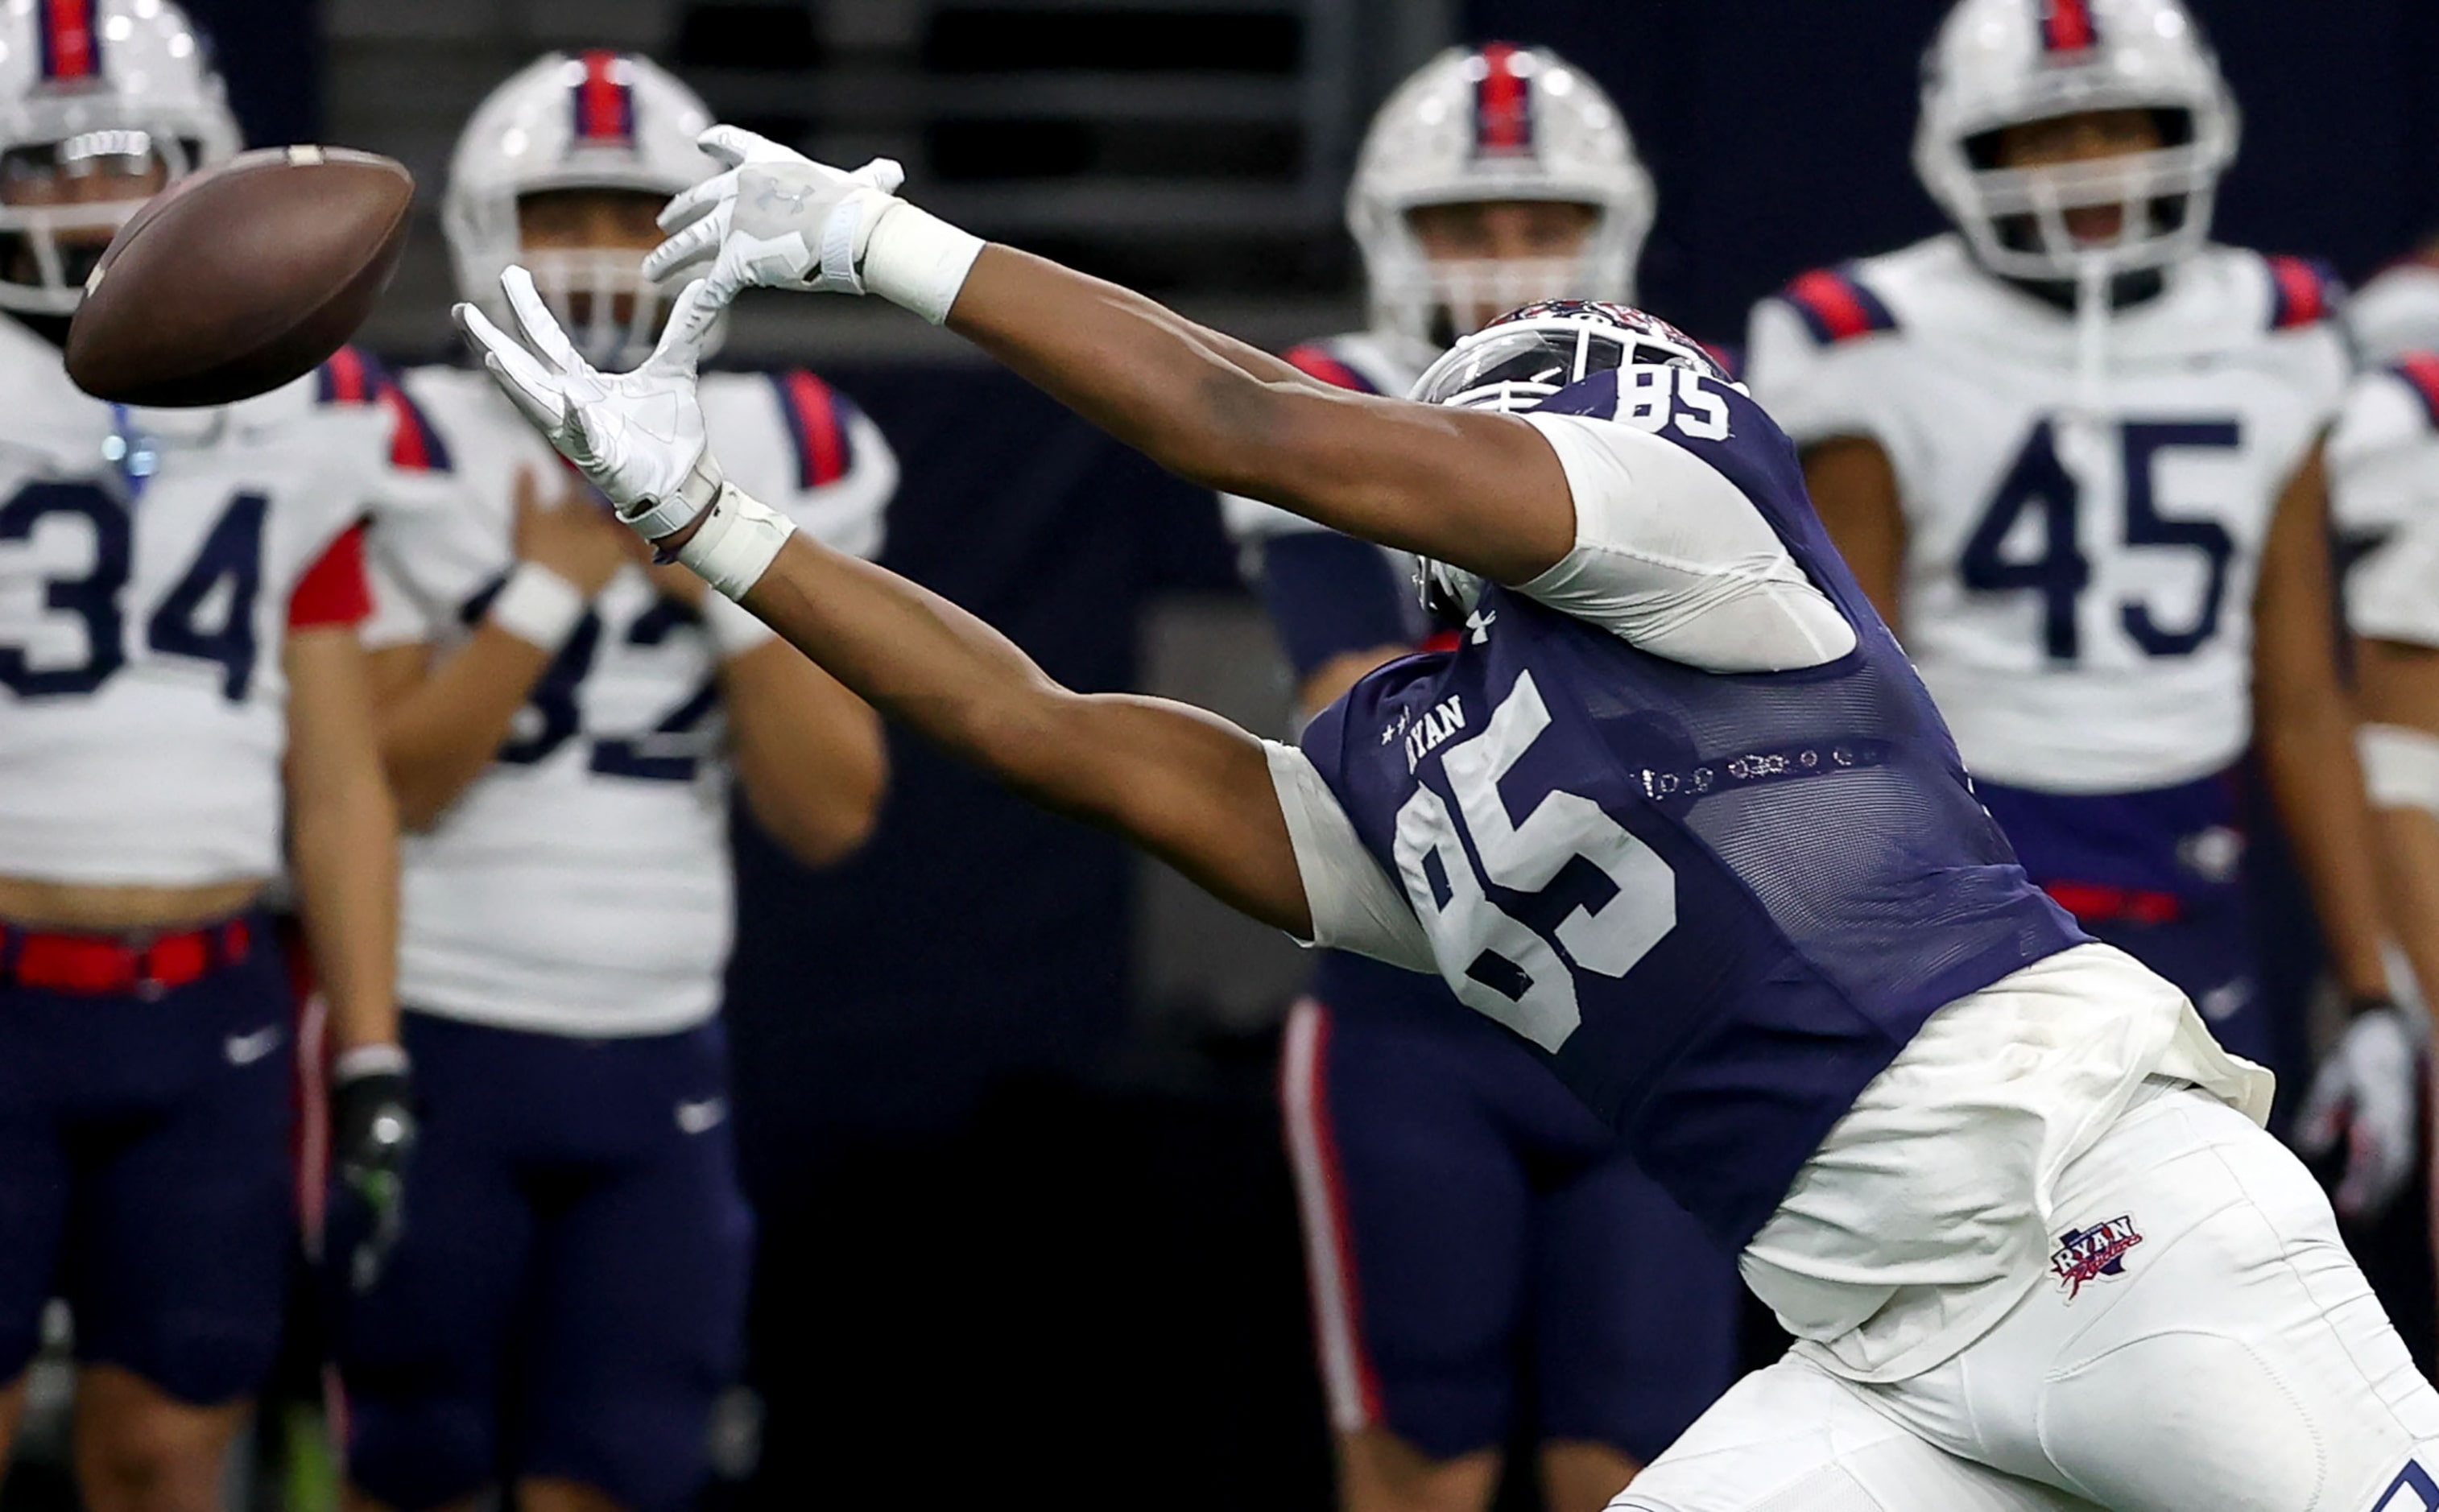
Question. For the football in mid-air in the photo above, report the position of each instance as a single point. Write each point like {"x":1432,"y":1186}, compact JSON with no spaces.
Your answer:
{"x":237,"y":280}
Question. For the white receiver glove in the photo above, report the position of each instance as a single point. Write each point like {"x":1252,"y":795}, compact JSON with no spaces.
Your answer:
{"x":777,"y":219}
{"x":2367,"y":1092}
{"x":637,"y":435}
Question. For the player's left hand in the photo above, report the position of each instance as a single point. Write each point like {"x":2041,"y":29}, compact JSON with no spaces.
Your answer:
{"x":637,"y":436}
{"x":2367,"y":1095}
{"x":372,"y":1134}
{"x":775,"y":218}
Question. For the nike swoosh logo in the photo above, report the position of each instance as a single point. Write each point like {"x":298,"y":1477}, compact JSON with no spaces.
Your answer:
{"x":699,"y":1117}
{"x":246,"y":1049}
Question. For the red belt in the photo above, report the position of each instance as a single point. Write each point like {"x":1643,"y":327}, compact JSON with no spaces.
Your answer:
{"x":145,"y":965}
{"x":2093,"y":903}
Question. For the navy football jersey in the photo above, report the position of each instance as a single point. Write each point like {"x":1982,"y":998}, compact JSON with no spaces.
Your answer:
{"x":1718,"y":903}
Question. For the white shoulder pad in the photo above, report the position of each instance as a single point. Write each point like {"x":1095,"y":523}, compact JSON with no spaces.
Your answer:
{"x":1354,"y":903}
{"x":2383,"y":455}
{"x":2397,"y":312}
{"x":2394,"y":596}
{"x":1673,"y":559}
{"x":807,"y":449}
{"x":1815,"y":391}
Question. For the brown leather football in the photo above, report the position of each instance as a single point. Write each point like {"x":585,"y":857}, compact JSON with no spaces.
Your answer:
{"x":237,"y":280}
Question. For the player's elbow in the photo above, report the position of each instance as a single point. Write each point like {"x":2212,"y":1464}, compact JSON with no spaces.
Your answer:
{"x":826,"y":827}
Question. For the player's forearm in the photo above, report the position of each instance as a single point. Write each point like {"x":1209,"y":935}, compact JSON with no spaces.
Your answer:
{"x":2400,"y":693}
{"x":345,"y":856}
{"x":809,"y":753}
{"x":442,"y":732}
{"x":1203,"y":405}
{"x":2316,"y":782}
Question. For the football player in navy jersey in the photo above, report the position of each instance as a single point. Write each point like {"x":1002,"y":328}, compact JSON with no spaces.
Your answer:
{"x":1473,"y":1237}
{"x":1676,"y":813}
{"x":2072,"y":451}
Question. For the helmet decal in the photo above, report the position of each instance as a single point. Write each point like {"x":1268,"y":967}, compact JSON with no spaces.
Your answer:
{"x":1502,"y":105}
{"x":2068,"y":26}
{"x":71,"y":47}
{"x":605,"y":101}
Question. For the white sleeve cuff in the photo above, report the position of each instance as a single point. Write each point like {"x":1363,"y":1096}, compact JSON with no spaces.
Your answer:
{"x":538,"y":606}
{"x":919,"y":261}
{"x":739,"y":537}
{"x":2400,"y":767}
{"x":1355,"y":905}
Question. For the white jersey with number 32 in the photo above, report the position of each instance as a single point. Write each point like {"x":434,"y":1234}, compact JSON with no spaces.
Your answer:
{"x":2081,"y":554}
{"x":581,"y":884}
{"x":147,"y":560}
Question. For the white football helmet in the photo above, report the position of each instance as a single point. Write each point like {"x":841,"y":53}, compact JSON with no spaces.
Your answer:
{"x":2003,"y":63}
{"x":124,"y":87}
{"x":591,"y":120}
{"x":1496,"y":122}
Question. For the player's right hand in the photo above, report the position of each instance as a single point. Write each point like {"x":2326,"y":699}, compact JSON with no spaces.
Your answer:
{"x":637,"y":436}
{"x":2366,"y":1096}
{"x":775,"y":219}
{"x":372,"y":1134}
{"x":572,"y":535}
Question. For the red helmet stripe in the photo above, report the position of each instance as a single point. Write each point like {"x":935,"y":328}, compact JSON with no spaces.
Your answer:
{"x":1316,"y":363}
{"x":813,"y":415}
{"x":1502,"y":104}
{"x":2420,"y":371}
{"x":605,"y":108}
{"x":2067,"y":26}
{"x":69,"y":49}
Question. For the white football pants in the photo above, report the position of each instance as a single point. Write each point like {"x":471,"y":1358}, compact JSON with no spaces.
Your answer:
{"x":2237,"y":1362}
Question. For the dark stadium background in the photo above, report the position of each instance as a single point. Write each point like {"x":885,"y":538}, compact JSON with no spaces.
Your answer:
{"x":1026,"y":1232}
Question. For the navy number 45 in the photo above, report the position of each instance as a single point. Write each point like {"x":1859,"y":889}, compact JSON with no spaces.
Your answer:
{"x":2059,"y":572}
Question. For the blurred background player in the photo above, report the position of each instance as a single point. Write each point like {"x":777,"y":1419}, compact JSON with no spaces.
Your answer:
{"x":559,"y":721}
{"x":178,"y":676}
{"x":1476,"y":1245}
{"x":2073,"y":449}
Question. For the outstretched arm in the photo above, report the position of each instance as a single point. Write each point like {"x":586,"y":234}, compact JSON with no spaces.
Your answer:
{"x":1481,"y":491}
{"x":1189,"y":787}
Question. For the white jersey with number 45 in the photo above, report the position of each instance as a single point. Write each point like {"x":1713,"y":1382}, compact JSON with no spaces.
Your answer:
{"x":581,"y":884}
{"x":147,"y":563}
{"x":2082,"y":540}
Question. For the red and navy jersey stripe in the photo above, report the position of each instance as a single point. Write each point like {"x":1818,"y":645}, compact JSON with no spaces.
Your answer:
{"x":605,"y":101}
{"x":1316,"y":362}
{"x":1837,"y":306}
{"x":2303,"y":292}
{"x":817,"y":416}
{"x":70,"y":41}
{"x":2068,"y":28}
{"x":1502,"y":105}
{"x":351,"y":376}
{"x":2419,"y":371}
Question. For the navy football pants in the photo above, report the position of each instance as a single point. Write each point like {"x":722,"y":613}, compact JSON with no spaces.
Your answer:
{"x":567,"y":1298}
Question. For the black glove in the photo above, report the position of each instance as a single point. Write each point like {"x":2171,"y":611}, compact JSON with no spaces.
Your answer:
{"x":372,"y":1132}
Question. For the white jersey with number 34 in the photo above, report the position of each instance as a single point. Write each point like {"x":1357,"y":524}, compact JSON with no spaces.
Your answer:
{"x":581,"y":884}
{"x":2080,"y":554}
{"x":147,"y":560}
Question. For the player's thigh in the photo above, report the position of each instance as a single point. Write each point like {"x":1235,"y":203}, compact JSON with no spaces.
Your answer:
{"x":180,"y":1237}
{"x":1791,"y":1438}
{"x":34,"y":1181}
{"x":1635,"y":1313}
{"x":2230,"y":1355}
{"x":642,"y":1291}
{"x":419,"y":1350}
{"x":1417,"y":1216}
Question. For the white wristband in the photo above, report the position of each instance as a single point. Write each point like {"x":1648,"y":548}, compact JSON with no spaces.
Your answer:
{"x":2400,"y":767}
{"x":368,"y":1061}
{"x":917,"y":260}
{"x":733,"y":627}
{"x":739,"y":537}
{"x":538,"y":606}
